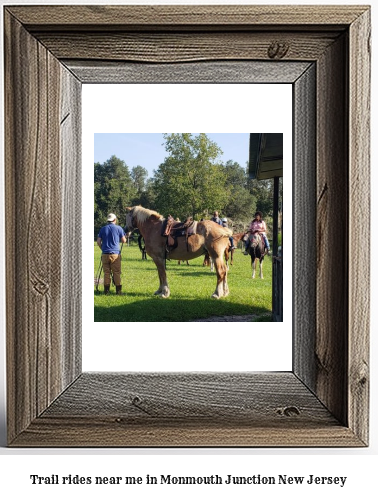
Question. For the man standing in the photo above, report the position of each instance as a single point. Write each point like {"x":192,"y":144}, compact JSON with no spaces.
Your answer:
{"x":108,"y":240}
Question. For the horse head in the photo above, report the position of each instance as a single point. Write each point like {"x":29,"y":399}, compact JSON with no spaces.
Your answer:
{"x":244,"y":237}
{"x":129,"y":220}
{"x":256,"y":240}
{"x":138,"y":215}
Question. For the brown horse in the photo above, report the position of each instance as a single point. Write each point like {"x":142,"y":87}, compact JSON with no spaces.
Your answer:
{"x":228,"y":253}
{"x":209,"y":236}
{"x":257,"y":251}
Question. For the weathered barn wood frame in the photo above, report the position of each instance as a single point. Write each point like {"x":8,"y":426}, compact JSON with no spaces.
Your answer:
{"x":49,"y":52}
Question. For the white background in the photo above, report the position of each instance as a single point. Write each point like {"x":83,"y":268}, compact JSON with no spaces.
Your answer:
{"x":205,"y":347}
{"x":359,"y":465}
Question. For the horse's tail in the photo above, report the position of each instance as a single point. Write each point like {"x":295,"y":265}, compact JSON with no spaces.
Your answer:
{"x":141,"y":247}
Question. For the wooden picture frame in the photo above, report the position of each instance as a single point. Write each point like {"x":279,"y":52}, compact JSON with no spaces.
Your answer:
{"x":49,"y":52}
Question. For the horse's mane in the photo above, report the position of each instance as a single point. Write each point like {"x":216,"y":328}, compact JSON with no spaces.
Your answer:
{"x":226,"y":231}
{"x":238,"y":236}
{"x":142,"y":214}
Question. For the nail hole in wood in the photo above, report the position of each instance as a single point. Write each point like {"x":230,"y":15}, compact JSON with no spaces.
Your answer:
{"x":278,"y":50}
{"x":289,"y":411}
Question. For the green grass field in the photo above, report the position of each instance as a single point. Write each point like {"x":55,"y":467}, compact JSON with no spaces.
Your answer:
{"x":191,"y":288}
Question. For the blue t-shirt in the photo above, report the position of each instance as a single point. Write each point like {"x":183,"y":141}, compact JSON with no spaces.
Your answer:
{"x":111,"y":235}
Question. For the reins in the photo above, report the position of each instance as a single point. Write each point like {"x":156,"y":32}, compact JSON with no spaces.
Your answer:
{"x":259,"y":244}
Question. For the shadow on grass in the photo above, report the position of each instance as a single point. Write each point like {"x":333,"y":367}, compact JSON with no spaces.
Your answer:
{"x":157,"y":309}
{"x":194,"y":273}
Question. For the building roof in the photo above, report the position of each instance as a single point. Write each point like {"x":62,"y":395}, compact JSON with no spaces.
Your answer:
{"x":265,"y":156}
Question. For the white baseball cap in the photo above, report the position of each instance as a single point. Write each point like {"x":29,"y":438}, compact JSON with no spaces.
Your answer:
{"x":111,"y":217}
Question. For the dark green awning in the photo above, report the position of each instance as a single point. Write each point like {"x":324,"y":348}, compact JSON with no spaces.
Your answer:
{"x":265,"y":156}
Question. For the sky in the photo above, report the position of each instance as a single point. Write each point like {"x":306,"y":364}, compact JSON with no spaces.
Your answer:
{"x":147,"y":150}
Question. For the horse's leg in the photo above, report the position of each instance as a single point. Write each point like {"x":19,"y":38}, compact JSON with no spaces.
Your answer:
{"x":232,"y":256}
{"x":163,"y":289}
{"x":226,"y":291}
{"x":211,"y":264}
{"x":261,"y":268}
{"x":253,"y":268}
{"x":221,"y":289}
{"x":221,"y":271}
{"x":226,"y":257}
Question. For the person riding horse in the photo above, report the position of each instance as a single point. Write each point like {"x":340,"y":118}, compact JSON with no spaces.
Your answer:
{"x":224,"y":223}
{"x":258,"y":226}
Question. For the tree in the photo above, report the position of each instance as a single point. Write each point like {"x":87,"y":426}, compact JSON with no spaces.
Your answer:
{"x":241,"y":204}
{"x":139,"y":176}
{"x":113,"y":190}
{"x":262,"y":191}
{"x":190,"y":182}
{"x":148,"y":197}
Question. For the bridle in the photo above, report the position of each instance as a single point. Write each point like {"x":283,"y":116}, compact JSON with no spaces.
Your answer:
{"x":256,"y":242}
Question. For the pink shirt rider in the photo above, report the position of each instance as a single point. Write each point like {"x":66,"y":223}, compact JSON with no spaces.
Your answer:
{"x":257,"y":226}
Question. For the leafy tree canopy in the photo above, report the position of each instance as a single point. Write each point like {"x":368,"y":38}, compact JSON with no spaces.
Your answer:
{"x":113,"y":189}
{"x":190,"y":181}
{"x":139,"y":176}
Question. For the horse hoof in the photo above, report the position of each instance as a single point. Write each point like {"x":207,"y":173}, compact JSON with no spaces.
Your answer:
{"x":165,"y":292}
{"x":215,"y":296}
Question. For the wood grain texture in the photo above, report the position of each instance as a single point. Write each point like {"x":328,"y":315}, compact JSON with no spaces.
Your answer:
{"x":324,"y":401}
{"x":332,"y":233}
{"x":359,"y":210}
{"x":180,"y":47}
{"x":184,"y":16}
{"x":33,"y":196}
{"x":216,"y":396}
{"x":33,"y":242}
{"x":197,"y":409}
{"x":304,"y":216}
{"x":199,"y":72}
{"x":100,"y":432}
{"x":71,"y":188}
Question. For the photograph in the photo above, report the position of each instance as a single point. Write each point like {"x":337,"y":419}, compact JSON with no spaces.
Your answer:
{"x":201,"y":210}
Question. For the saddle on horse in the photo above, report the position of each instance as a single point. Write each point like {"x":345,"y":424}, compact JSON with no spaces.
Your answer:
{"x":173,"y":229}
